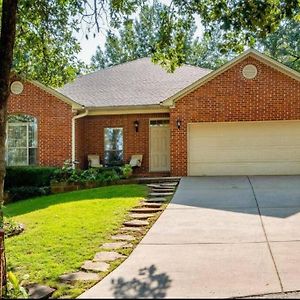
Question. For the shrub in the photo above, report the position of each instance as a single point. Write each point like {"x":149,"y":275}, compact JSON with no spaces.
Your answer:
{"x":11,"y":227}
{"x":126,"y":171}
{"x":101,"y":175}
{"x":28,"y":176}
{"x":14,"y":289}
{"x":25,"y":192}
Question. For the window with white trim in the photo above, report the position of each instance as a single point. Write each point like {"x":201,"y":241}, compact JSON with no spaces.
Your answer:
{"x":21,"y":144}
{"x":113,"y":146}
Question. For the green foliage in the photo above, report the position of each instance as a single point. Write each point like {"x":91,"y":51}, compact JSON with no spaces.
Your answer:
{"x":25,"y":192}
{"x":11,"y":227}
{"x":240,"y":24}
{"x":45,"y":48}
{"x":99,"y":175}
{"x":126,"y":171}
{"x":28,"y":176}
{"x":284,"y":44}
{"x":14,"y":288}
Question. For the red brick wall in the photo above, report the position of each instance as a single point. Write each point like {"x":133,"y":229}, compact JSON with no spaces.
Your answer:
{"x":91,"y":137}
{"x":230,"y":97}
{"x":54,"y":123}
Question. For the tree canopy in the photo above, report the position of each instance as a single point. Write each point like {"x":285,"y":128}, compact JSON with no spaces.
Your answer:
{"x":45,"y":48}
{"x":138,"y":38}
{"x":284,"y":44}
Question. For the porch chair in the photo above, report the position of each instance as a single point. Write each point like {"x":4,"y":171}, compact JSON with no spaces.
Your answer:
{"x":94,"y":161}
{"x":136,"y":160}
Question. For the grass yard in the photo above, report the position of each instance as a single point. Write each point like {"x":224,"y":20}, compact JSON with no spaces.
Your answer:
{"x":64,"y":230}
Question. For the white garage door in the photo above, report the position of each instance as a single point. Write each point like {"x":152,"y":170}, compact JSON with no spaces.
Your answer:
{"x":244,"y":148}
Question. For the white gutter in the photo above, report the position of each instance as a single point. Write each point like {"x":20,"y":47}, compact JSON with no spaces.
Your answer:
{"x":74,"y":135}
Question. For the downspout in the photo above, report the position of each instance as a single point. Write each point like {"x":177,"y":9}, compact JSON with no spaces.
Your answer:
{"x":74,"y":134}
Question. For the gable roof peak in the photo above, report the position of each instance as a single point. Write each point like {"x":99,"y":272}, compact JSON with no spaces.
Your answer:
{"x":249,"y":52}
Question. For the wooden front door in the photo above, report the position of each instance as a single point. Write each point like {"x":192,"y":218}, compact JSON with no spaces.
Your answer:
{"x":159,"y":146}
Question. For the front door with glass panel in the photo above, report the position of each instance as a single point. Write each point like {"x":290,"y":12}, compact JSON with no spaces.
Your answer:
{"x":159,"y":146}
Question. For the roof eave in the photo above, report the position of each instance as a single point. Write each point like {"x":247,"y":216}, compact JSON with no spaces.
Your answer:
{"x":126,"y":109}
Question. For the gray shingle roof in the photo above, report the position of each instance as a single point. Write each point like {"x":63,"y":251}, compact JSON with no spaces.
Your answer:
{"x":139,"y":82}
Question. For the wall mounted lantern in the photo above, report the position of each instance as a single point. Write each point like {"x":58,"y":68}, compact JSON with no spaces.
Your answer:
{"x":136,"y":125}
{"x":178,"y":123}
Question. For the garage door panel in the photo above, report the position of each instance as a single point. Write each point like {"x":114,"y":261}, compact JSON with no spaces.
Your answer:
{"x":285,"y":140}
{"x":244,"y":169}
{"x":244,"y":148}
{"x":275,"y":154}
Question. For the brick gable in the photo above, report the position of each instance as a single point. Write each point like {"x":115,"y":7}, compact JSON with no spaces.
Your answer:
{"x":54,"y":122}
{"x":229,"y":97}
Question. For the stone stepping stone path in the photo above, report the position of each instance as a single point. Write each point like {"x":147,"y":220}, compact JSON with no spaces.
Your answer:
{"x":123,"y":237}
{"x":116,"y":245}
{"x":95,"y":266}
{"x":37,"y":291}
{"x":136,"y":223}
{"x":151,"y":204}
{"x":158,"y":199}
{"x":141,"y":216}
{"x":160,"y":194}
{"x":108,"y":256}
{"x":79,"y":276}
{"x":146,"y":210}
{"x":132,"y":229}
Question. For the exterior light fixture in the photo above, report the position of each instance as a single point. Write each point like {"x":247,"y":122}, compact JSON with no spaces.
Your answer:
{"x":136,"y":125}
{"x":178,"y":123}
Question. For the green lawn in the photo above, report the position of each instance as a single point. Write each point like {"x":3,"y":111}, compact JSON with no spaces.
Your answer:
{"x":63,"y":230}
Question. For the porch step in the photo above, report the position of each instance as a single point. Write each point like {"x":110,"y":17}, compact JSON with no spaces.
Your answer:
{"x":156,"y":180}
{"x":146,"y":210}
{"x":160,"y":194}
{"x":141,"y":216}
{"x":151,"y":204}
{"x":157,"y":200}
{"x":136,"y":223}
{"x":155,"y":185}
{"x":169,"y":183}
{"x":163,"y":190}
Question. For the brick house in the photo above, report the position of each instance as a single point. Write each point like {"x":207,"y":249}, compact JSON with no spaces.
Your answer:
{"x":241,"y":119}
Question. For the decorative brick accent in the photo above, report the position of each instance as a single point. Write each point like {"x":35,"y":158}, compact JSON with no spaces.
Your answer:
{"x":54,"y":123}
{"x":230,"y":97}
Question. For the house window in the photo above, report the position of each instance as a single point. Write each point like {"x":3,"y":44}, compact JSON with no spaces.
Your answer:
{"x":113,"y":146}
{"x":21,"y":140}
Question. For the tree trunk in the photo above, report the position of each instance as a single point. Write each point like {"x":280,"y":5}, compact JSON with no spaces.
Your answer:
{"x":7,"y":41}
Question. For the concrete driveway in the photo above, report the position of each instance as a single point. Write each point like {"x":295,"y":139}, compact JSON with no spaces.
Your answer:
{"x":219,"y":237}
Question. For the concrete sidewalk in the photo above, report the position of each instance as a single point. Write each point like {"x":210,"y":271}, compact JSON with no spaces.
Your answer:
{"x":219,"y":237}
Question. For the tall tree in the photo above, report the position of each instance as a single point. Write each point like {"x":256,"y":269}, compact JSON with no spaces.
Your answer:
{"x":7,"y":40}
{"x":284,"y":44}
{"x":139,"y":38}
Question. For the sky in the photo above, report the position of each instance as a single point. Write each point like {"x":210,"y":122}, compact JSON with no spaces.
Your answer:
{"x":89,"y":46}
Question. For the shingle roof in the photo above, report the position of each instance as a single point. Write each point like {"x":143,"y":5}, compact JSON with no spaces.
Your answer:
{"x":139,"y":82}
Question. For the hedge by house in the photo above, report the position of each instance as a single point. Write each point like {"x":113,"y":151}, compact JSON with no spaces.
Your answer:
{"x":28,"y":176}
